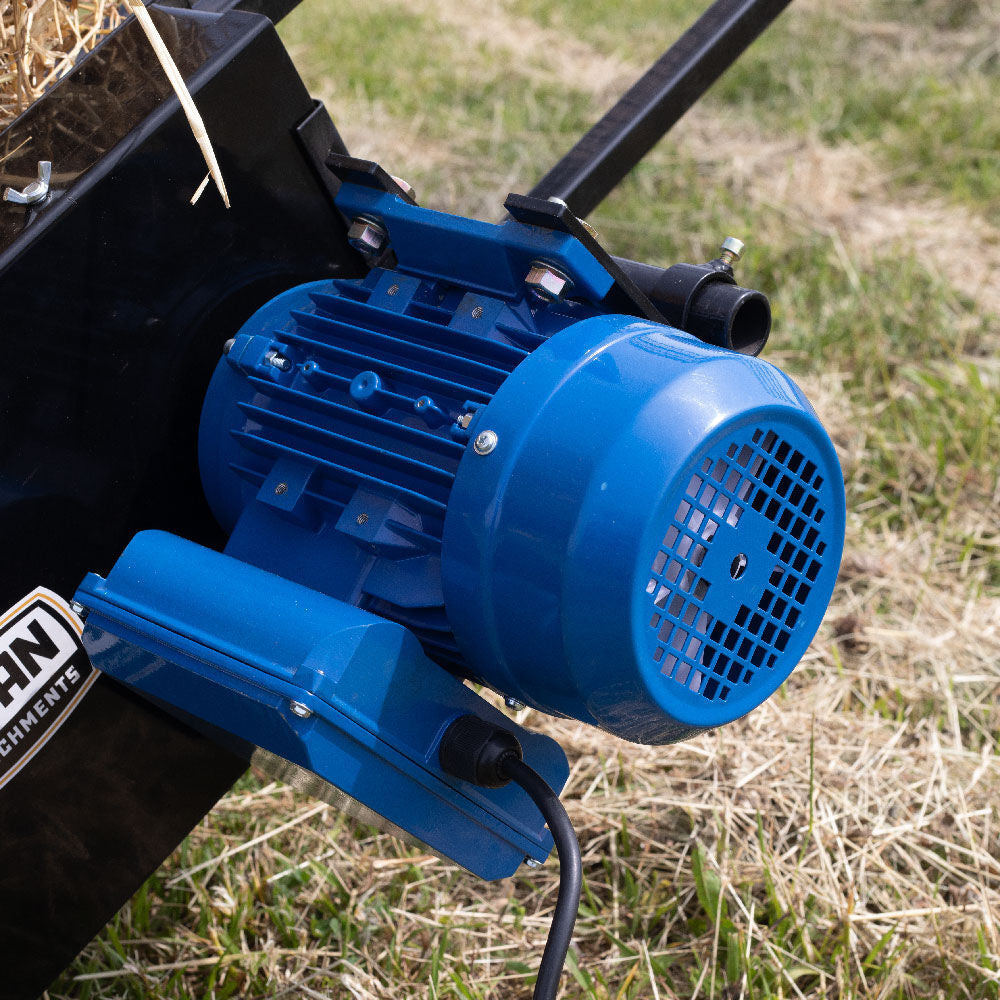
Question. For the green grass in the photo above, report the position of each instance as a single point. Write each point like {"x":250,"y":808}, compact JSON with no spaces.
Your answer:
{"x":756,"y":862}
{"x":934,"y":122}
{"x":932,"y":115}
{"x":399,"y":62}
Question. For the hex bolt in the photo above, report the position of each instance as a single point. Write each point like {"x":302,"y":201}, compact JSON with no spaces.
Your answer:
{"x":34,"y":192}
{"x":464,"y":420}
{"x":532,"y":863}
{"x":731,"y":250}
{"x":302,"y":711}
{"x":78,"y":609}
{"x":514,"y":704}
{"x":485,"y":442}
{"x":367,"y":235}
{"x":279,"y":361}
{"x":547,"y":282}
{"x":228,"y":345}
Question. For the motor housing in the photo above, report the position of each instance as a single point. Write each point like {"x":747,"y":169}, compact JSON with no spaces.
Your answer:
{"x":474,"y":447}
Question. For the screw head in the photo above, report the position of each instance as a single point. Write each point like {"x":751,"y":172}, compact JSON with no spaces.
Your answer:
{"x":302,"y":711}
{"x":367,"y":235}
{"x":547,"y":282}
{"x":485,"y":442}
{"x":732,"y":249}
{"x":738,"y":566}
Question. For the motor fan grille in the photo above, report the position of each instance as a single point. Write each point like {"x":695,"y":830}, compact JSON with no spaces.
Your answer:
{"x":755,"y":499}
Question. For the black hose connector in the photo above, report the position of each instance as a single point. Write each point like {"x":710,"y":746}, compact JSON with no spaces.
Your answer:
{"x":474,"y":750}
{"x":705,"y":301}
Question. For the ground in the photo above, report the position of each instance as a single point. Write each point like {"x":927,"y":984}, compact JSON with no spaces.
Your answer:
{"x":844,"y":839}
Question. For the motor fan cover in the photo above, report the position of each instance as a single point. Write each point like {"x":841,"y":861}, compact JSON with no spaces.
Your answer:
{"x":653,"y":541}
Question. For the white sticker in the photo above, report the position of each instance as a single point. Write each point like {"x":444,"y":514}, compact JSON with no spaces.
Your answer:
{"x":44,"y":672}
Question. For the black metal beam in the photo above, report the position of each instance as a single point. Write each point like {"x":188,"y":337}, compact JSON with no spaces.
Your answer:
{"x":585,"y":176}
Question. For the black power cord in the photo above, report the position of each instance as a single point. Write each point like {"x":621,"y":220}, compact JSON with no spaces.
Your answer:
{"x":570,"y":874}
{"x":483,"y":753}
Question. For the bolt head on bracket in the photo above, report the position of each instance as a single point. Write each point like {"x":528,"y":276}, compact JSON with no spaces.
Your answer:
{"x":547,"y":282}
{"x":367,"y":235}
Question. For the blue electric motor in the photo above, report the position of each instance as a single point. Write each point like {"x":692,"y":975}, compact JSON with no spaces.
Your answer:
{"x":444,"y":472}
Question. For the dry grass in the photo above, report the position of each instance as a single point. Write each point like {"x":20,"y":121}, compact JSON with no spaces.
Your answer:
{"x":41,"y":40}
{"x":842,"y":841}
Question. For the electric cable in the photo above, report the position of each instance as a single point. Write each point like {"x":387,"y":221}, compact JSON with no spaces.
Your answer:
{"x":570,"y":873}
{"x":489,"y":756}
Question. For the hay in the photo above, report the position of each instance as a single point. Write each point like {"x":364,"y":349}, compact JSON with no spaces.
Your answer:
{"x":41,"y":41}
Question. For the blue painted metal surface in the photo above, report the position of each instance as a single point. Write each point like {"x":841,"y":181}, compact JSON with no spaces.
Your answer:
{"x":345,"y":461}
{"x":653,"y":543}
{"x":649,"y":548}
{"x":235,"y":646}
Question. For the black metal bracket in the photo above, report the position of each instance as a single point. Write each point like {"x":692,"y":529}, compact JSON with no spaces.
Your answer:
{"x":319,"y":139}
{"x":366,"y":173}
{"x":625,"y":295}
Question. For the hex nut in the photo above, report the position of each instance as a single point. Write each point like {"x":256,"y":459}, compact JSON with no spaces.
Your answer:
{"x":547,"y":282}
{"x":366,"y":235}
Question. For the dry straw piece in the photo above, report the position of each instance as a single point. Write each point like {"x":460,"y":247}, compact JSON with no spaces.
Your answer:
{"x":41,"y":41}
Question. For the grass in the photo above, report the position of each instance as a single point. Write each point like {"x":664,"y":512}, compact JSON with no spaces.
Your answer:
{"x":842,"y":841}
